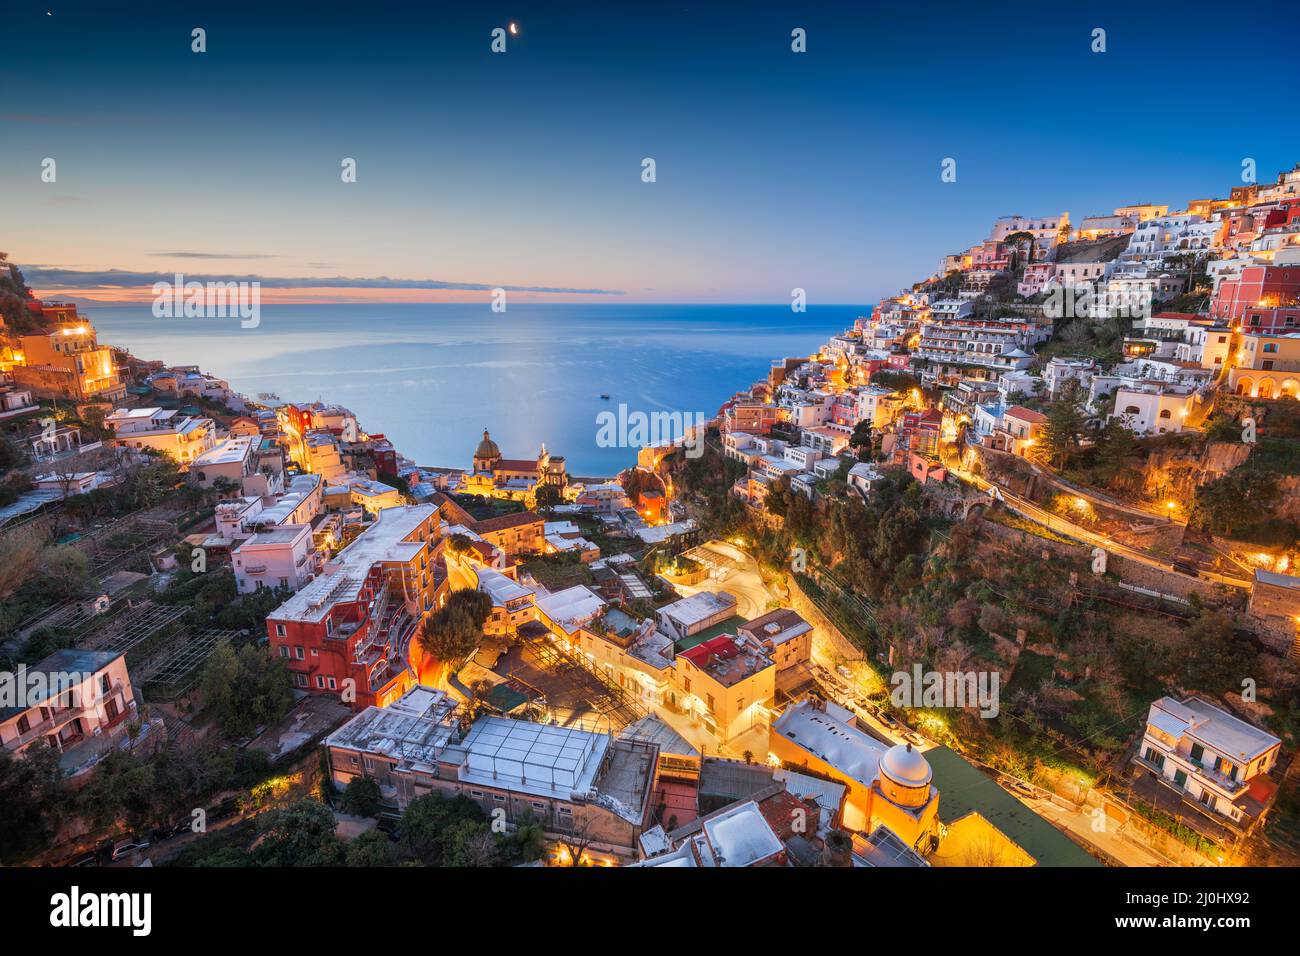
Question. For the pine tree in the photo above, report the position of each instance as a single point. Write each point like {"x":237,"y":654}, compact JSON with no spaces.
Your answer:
{"x":1060,"y":436}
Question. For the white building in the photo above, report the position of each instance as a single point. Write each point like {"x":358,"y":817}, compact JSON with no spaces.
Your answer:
{"x":179,"y":436}
{"x":1154,"y":408}
{"x":279,"y":556}
{"x":696,"y":613}
{"x":77,"y":701}
{"x":1061,"y":370}
{"x":1206,"y":753}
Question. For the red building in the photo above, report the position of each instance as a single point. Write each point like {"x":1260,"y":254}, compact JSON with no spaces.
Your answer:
{"x":1259,"y":286}
{"x":919,"y":435}
{"x":754,"y":418}
{"x":1255,"y":319}
{"x":357,"y":621}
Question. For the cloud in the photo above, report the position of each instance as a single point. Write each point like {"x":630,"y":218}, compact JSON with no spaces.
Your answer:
{"x":54,"y":278}
{"x":184,"y":254}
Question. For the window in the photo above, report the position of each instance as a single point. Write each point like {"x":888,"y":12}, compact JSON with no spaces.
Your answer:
{"x":1164,"y":413}
{"x":279,"y":630}
{"x":1198,"y":752}
{"x":297,"y":652}
{"x":24,"y":724}
{"x":320,"y":682}
{"x":332,"y":684}
{"x":105,"y":683}
{"x":284,"y":650}
{"x":1180,"y":779}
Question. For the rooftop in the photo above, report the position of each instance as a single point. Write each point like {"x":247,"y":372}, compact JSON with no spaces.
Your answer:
{"x":1212,"y":726}
{"x":228,"y":452}
{"x":571,"y":608}
{"x":532,"y":758}
{"x":777,"y":626}
{"x":383,"y":541}
{"x":964,"y":789}
{"x":829,"y":733}
{"x":61,"y":671}
{"x":741,"y":836}
{"x":727,"y":660}
{"x":414,"y":730}
{"x":699,"y":607}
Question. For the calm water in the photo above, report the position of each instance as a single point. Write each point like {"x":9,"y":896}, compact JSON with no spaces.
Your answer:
{"x":432,"y":377}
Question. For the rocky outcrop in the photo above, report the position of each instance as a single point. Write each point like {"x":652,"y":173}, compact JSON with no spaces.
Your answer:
{"x":1176,"y":472}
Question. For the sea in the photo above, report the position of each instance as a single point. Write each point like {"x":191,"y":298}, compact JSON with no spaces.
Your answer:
{"x":431,"y":377}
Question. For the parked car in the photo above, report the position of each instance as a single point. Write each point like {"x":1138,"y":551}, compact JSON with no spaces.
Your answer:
{"x":889,"y":721}
{"x":130,"y":845}
{"x":1018,"y":787}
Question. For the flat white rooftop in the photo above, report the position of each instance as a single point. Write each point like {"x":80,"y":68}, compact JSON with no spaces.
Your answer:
{"x":413,"y":730}
{"x":700,"y":607}
{"x":830,"y":735}
{"x":1213,"y":726}
{"x":229,"y":452}
{"x":740,"y":836}
{"x":500,"y":588}
{"x":572,"y":607}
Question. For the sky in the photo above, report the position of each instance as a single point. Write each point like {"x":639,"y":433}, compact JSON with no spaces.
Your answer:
{"x":774,"y":170}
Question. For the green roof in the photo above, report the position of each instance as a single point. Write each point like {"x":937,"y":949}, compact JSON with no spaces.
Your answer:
{"x":963,"y":787}
{"x":709,"y":633}
{"x":505,"y":698}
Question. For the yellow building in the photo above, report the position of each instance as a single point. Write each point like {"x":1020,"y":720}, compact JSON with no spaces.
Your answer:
{"x":516,"y":479}
{"x":728,"y":683}
{"x":889,"y":786}
{"x":1267,"y":366}
{"x":68,"y":362}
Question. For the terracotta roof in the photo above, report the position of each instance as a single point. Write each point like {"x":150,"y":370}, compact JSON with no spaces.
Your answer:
{"x":1025,"y":414}
{"x":504,"y":522}
{"x":515,"y":464}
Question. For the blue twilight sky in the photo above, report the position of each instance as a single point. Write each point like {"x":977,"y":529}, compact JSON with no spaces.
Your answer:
{"x":775,"y":170}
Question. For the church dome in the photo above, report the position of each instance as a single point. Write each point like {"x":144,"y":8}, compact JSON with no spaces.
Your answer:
{"x":487,"y":448}
{"x":905,"y":776}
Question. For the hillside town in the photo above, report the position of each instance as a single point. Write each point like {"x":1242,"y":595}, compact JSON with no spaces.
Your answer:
{"x":999,"y":576}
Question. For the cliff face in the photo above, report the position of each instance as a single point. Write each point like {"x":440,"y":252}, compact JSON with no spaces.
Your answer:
{"x":1177,"y":472}
{"x":1288,"y":504}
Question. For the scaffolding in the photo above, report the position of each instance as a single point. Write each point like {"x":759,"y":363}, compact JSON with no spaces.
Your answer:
{"x":133,"y":626}
{"x":173,"y":669}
